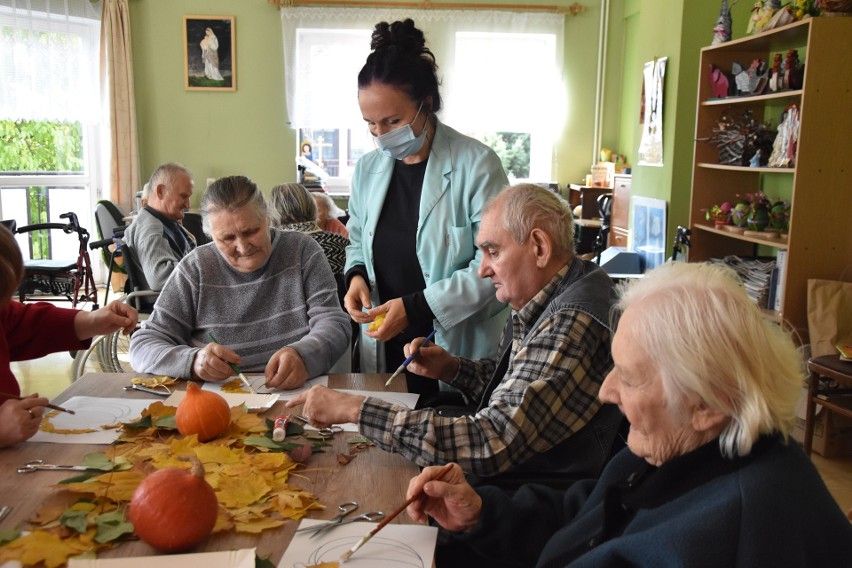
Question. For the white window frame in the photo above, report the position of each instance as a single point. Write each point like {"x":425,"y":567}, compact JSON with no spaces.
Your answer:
{"x":91,"y":175}
{"x":440,"y":28}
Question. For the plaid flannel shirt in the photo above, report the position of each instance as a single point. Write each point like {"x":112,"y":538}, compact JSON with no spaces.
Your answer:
{"x":548,"y":393}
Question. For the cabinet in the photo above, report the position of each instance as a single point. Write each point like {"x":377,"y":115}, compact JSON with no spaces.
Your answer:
{"x":619,"y":219}
{"x":819,"y":242}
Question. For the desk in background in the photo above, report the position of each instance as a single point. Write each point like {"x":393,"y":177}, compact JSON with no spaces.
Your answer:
{"x":377,"y":480}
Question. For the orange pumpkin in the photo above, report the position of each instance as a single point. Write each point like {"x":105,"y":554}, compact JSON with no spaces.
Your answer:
{"x":174,"y":509}
{"x":201,"y":412}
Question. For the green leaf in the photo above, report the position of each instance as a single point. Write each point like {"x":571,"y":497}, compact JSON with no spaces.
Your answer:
{"x":97,"y":460}
{"x":166,"y":422}
{"x":144,"y":422}
{"x":74,"y":519}
{"x":85,"y":476}
{"x":263,"y":562}
{"x":269,"y":443}
{"x":359,"y":440}
{"x":8,"y":535}
{"x":111,"y":526}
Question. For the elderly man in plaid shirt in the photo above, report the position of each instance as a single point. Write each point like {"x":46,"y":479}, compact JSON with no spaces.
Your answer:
{"x":534,"y":413}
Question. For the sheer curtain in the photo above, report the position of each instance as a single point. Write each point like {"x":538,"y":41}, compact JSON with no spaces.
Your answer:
{"x":500,"y":70}
{"x":49,"y":48}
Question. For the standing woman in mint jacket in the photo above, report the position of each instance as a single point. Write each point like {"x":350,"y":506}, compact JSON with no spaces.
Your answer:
{"x":415,"y":209}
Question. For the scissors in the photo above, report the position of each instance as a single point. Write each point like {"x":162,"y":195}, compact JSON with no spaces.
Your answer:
{"x":345,"y":509}
{"x":330,"y":431}
{"x":35,"y":465}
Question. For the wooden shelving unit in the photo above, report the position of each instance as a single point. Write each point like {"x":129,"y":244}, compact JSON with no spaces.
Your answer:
{"x":819,"y":242}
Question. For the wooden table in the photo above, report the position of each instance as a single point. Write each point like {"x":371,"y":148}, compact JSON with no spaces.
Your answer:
{"x":377,"y":480}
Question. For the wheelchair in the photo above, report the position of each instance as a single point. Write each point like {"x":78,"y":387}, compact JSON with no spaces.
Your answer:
{"x":60,"y":279}
{"x":110,"y":353}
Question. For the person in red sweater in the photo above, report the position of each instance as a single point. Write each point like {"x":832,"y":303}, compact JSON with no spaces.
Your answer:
{"x":28,"y":331}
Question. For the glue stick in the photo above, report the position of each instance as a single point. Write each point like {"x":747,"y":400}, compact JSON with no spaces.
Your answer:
{"x":279,"y":430}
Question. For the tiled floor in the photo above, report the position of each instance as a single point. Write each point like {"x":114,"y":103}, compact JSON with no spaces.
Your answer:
{"x":52,"y":374}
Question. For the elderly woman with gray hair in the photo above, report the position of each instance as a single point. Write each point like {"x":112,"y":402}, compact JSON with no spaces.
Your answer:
{"x":268,"y":296}
{"x":293,"y":209}
{"x":709,"y":477}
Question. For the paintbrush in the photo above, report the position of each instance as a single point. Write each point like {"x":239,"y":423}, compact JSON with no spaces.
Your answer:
{"x":236,"y":369}
{"x":410,"y":358}
{"x":348,"y":554}
{"x":53,"y":406}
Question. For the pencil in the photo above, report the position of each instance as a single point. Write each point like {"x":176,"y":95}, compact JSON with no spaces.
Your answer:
{"x":236,"y":369}
{"x":348,"y":554}
{"x":410,"y":358}
{"x":49,"y":405}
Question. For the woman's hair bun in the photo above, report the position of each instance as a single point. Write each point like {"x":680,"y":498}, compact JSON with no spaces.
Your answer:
{"x":403,"y":36}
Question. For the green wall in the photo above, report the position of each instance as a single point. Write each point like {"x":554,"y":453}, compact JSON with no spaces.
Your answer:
{"x":212,"y":133}
{"x":245,"y":132}
{"x":678,"y":30}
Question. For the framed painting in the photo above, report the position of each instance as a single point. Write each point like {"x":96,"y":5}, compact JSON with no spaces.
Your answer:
{"x":210,"y":60}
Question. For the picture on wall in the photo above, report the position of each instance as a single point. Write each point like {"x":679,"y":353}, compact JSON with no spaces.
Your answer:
{"x":649,"y":230}
{"x":209,"y":54}
{"x":651,"y":118}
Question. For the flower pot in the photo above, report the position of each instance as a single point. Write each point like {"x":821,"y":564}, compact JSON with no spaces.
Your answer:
{"x":758,"y":220}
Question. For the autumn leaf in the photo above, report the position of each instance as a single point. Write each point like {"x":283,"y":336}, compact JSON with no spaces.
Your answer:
{"x":238,"y":492}
{"x":111,"y":526}
{"x":41,"y":546}
{"x":74,"y":519}
{"x":344,"y":459}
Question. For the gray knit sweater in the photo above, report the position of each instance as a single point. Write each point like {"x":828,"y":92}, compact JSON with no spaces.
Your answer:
{"x":289,"y":302}
{"x":157,"y":258}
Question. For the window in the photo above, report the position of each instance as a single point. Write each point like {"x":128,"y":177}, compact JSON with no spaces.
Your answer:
{"x":501,"y":82}
{"x":49,"y":109}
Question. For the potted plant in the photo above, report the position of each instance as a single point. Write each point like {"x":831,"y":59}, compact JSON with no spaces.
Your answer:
{"x":720,"y":214}
{"x":759,"y":207}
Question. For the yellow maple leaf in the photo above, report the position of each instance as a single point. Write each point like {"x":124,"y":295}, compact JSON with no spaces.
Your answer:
{"x":154,"y":382}
{"x":219,"y":454}
{"x":41,"y":546}
{"x":234,"y":385}
{"x":258,"y":525}
{"x":238,"y":491}
{"x":116,"y":485}
{"x":242,"y":421}
{"x":271,"y":461}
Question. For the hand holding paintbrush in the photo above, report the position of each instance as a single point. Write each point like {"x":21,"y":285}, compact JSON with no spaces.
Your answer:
{"x":48,"y":405}
{"x":236,"y":369}
{"x":417,"y":495}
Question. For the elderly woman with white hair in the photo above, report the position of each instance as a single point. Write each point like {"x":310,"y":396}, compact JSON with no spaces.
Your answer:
{"x":710,"y":476}
{"x":267,"y":295}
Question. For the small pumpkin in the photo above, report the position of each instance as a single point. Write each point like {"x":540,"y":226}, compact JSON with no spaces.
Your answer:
{"x":174,"y":509}
{"x":202,"y":412}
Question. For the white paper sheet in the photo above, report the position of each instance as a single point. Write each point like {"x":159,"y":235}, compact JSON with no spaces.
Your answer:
{"x":257,"y":382}
{"x":254,"y":402}
{"x":92,"y":413}
{"x":412,"y":546}
{"x":243,"y":558}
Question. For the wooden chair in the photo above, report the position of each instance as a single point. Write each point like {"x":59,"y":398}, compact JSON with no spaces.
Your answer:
{"x":832,"y":368}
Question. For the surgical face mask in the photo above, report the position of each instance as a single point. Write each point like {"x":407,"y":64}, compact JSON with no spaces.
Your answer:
{"x":401,"y":143}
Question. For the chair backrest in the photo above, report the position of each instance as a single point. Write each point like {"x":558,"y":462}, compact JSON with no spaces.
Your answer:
{"x":107,"y":218}
{"x":192,"y":222}
{"x":136,"y":281}
{"x":108,"y":221}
